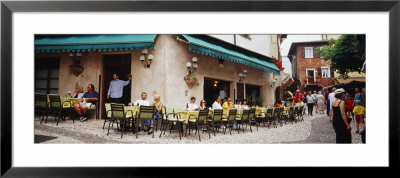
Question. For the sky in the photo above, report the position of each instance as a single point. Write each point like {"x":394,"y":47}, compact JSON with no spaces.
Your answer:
{"x":286,"y":46}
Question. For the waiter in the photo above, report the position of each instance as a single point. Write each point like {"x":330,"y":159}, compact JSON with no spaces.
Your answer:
{"x":116,"y":89}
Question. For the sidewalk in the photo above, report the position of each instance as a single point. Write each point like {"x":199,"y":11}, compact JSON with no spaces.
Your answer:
{"x":314,"y":129}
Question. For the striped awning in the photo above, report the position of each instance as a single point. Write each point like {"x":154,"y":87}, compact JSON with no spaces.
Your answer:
{"x":206,"y":48}
{"x":87,"y":43}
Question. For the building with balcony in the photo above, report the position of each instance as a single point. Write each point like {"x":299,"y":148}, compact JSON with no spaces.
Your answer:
{"x":313,"y":71}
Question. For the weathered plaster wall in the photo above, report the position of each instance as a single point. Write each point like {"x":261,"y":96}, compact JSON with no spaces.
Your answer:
{"x":166,"y":73}
{"x":178,"y":54}
{"x":69,"y":81}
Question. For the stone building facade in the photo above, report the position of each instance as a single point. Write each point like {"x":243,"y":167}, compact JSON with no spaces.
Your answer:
{"x":312,"y":70}
{"x":164,"y":76}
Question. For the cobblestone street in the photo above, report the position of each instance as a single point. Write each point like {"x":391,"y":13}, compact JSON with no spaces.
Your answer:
{"x":314,"y":129}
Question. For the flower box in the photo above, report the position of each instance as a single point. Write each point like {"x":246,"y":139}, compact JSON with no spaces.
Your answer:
{"x":191,"y":82}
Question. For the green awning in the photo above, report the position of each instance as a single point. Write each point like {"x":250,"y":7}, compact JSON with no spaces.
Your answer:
{"x":206,"y":48}
{"x":83,"y":43}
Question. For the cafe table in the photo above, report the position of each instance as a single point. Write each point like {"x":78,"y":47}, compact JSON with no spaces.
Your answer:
{"x":261,"y":110}
{"x":65,"y":102}
{"x":185,"y":115}
{"x":225,"y":113}
{"x":129,"y":110}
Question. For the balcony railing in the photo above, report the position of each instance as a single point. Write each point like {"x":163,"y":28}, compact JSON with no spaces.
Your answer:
{"x":311,"y":82}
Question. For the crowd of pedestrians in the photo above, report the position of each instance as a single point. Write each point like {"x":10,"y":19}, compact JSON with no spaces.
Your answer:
{"x":341,"y":107}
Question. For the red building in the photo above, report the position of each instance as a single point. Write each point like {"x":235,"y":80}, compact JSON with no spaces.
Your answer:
{"x":313,"y":71}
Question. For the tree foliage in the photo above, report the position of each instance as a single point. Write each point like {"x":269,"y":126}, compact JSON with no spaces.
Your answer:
{"x":347,"y":54}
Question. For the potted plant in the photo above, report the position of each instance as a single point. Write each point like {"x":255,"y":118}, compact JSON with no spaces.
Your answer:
{"x":76,"y":67}
{"x":191,"y":80}
{"x":258,"y":100}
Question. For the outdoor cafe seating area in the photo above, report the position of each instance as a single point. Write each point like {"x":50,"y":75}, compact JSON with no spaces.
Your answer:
{"x":132,"y":119}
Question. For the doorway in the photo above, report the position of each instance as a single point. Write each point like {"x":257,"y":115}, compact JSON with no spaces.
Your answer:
{"x":240,"y":92}
{"x":253,"y":95}
{"x":214,"y":88}
{"x":121,"y":65}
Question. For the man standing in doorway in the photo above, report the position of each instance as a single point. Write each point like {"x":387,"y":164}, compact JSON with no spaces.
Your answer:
{"x":116,"y":89}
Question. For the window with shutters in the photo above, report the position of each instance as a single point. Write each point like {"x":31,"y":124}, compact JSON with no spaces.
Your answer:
{"x":308,"y":52}
{"x":310,"y":76}
{"x":47,"y":75}
{"x":325,"y":72}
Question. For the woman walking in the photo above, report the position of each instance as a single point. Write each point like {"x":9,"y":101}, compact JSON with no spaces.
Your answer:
{"x":340,"y":122}
{"x":359,"y":96}
{"x":320,"y":102}
{"x":310,"y":103}
{"x":305,"y":102}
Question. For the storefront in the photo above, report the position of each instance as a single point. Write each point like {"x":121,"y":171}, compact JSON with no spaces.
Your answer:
{"x":161,"y":69}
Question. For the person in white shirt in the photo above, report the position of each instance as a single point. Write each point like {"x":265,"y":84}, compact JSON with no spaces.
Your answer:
{"x":331,"y":97}
{"x":310,"y":103}
{"x":191,"y":106}
{"x":245,"y":106}
{"x":78,"y":92}
{"x":237,"y":105}
{"x":314,"y":96}
{"x":142,"y":101}
{"x":217,"y":103}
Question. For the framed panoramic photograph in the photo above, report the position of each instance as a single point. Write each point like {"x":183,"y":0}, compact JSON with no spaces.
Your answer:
{"x":103,"y":88}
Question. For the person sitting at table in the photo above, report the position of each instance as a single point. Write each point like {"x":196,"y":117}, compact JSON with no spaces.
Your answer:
{"x":203,"y":104}
{"x":228,"y":104}
{"x":217,"y":103}
{"x":278,"y":103}
{"x":191,"y":106}
{"x":78,"y":92}
{"x":245,"y":106}
{"x":157,"y":113}
{"x":237,"y":105}
{"x":143,"y":101}
{"x":89,"y":98}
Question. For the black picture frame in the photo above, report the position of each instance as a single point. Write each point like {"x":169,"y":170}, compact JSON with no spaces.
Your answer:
{"x":8,"y":7}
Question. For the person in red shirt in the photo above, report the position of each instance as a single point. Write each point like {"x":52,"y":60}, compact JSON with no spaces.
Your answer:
{"x":297,"y":97}
{"x":349,"y":106}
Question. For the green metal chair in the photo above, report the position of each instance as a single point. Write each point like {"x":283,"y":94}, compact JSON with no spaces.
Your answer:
{"x":145,"y":113}
{"x":252,"y":118}
{"x":169,"y":120}
{"x":287,"y":116}
{"x":293,"y":115}
{"x":300,"y":113}
{"x":163,"y":117}
{"x":216,"y":119}
{"x":261,"y":118}
{"x":57,"y":108}
{"x":41,"y":106}
{"x":269,"y":117}
{"x":199,"y":122}
{"x":108,"y":113}
{"x":229,"y":121}
{"x":119,"y":116}
{"x":244,"y":119}
{"x":280,"y":115}
{"x":275,"y":115}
